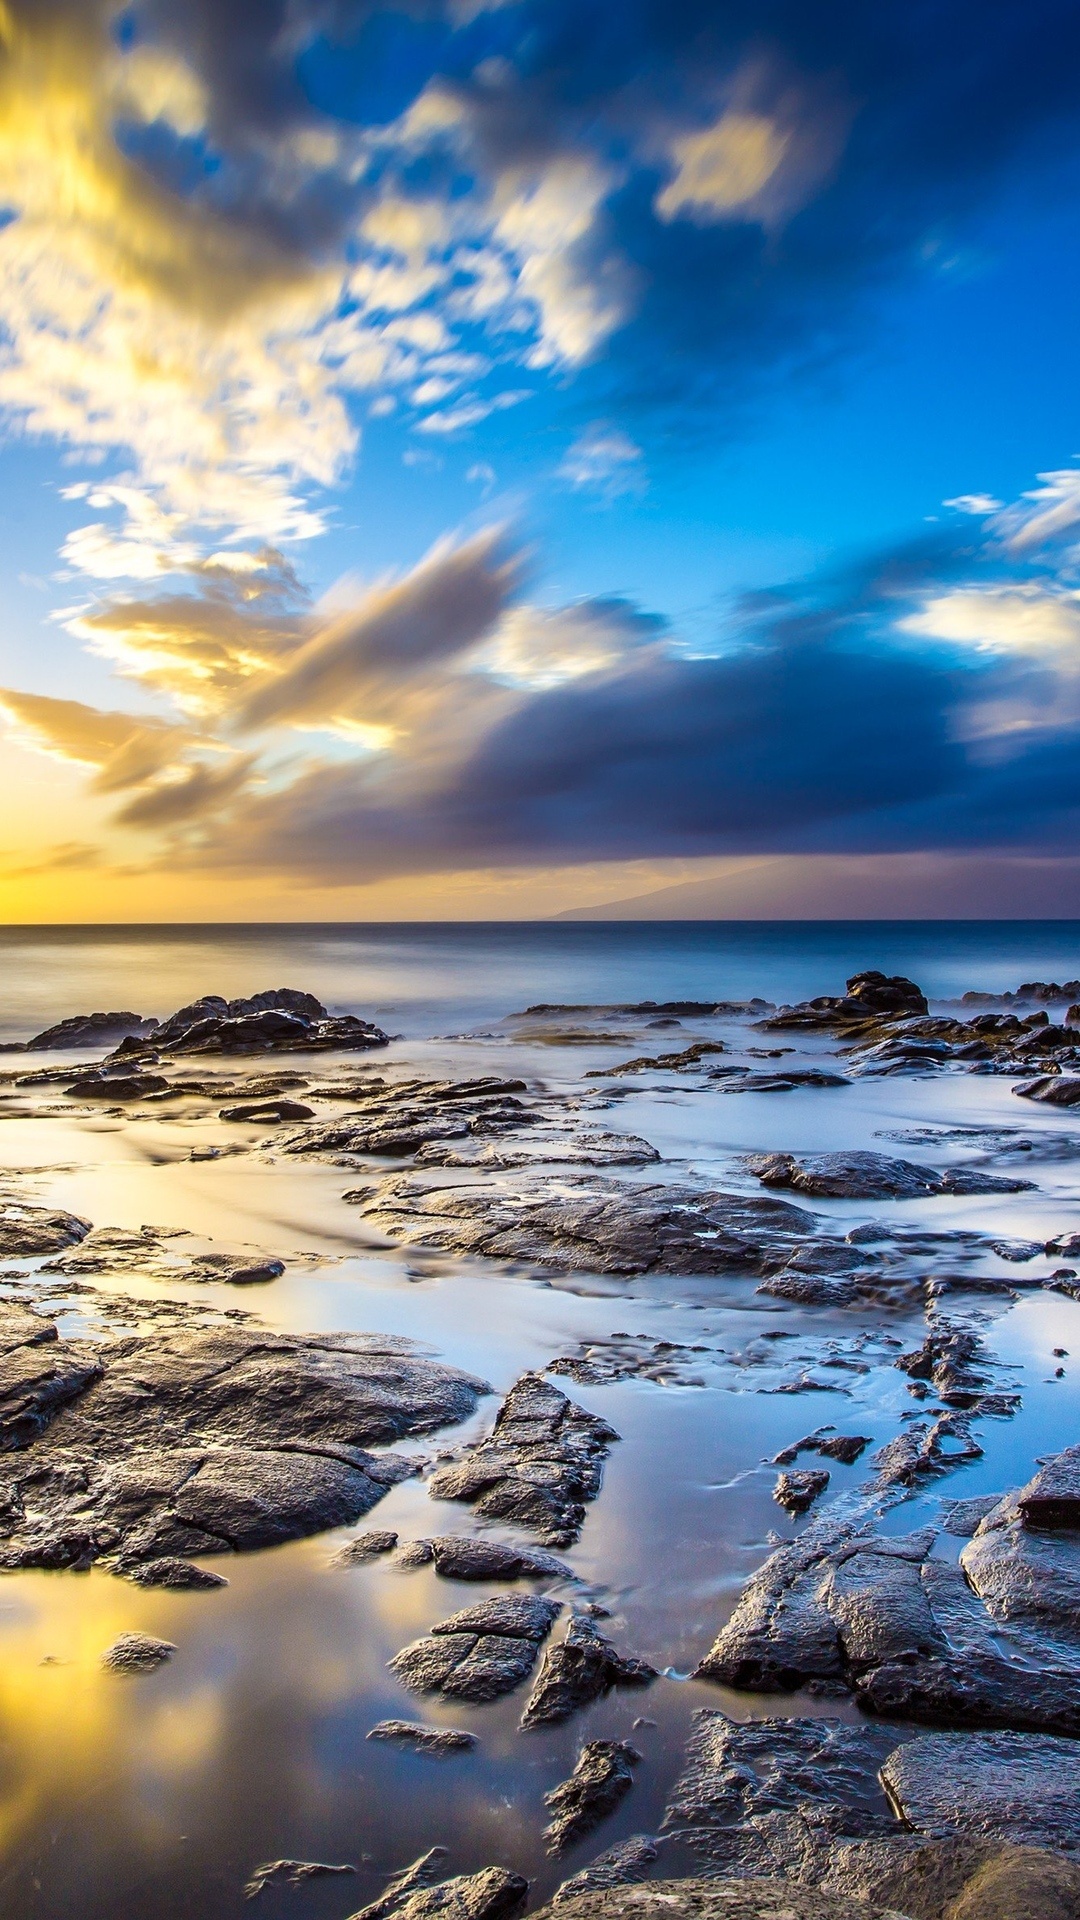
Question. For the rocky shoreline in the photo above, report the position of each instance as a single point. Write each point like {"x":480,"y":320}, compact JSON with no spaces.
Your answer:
{"x":146,"y":1444}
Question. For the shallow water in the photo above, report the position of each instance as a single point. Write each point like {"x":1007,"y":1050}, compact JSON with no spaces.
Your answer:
{"x":158,"y":1795}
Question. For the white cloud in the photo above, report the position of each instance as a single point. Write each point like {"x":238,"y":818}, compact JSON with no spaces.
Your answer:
{"x":1018,"y":619}
{"x":605,"y":460}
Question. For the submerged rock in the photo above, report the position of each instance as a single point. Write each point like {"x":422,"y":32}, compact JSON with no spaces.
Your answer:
{"x":541,"y":1463}
{"x":586,"y":1223}
{"x":580,"y":1669}
{"x":480,"y":1653}
{"x":290,"y":1873}
{"x":366,"y":1546}
{"x":137,"y":1653}
{"x":601,"y":1778}
{"x":151,"y":1447}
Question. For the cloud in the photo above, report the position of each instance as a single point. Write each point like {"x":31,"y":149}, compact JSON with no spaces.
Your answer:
{"x":605,"y":460}
{"x":123,"y":751}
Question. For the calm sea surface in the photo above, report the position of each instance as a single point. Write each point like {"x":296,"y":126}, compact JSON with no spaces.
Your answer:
{"x":426,"y":977}
{"x":156,"y":1796}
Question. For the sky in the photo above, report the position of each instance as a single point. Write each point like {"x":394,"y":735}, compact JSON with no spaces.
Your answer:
{"x":467,"y":458}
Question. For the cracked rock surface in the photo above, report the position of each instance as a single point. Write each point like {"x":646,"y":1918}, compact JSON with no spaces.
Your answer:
{"x":601,"y":1778}
{"x":155,"y":1447}
{"x":480,"y":1653}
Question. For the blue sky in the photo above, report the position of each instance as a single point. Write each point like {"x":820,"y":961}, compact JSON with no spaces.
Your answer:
{"x":481,"y":458}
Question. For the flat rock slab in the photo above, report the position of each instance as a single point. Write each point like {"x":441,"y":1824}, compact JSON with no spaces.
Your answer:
{"x":582,"y":1223}
{"x":541,"y":1463}
{"x":580,"y":1669}
{"x":26,"y":1231}
{"x":421,"y":1739}
{"x":601,"y":1779}
{"x":156,"y":1447}
{"x":627,"y":1863}
{"x":1021,"y":1787}
{"x":903,"y":1630}
{"x":751,"y":1899}
{"x":873,"y":1176}
{"x":481,"y":1652}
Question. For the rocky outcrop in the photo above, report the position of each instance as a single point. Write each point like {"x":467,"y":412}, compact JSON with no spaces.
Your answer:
{"x":910,"y":1634}
{"x":797,"y":1491}
{"x":480,"y":1653}
{"x":580,"y":1669}
{"x":625,"y":1864}
{"x":90,"y":1030}
{"x":582,"y":1223}
{"x":1022,"y":1787}
{"x":870,"y":996}
{"x":278,"y":1020}
{"x":492,"y":1894}
{"x":873,"y":1176}
{"x":153,"y":1447}
{"x":600,"y":1780}
{"x":541,"y":1463}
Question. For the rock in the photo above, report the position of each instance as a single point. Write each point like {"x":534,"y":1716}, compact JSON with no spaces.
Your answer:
{"x":871,"y":996}
{"x":539,"y":1466}
{"x":403,"y":1885}
{"x":27,"y":1231}
{"x":181,"y":1575}
{"x":137,"y":1653}
{"x":172,"y":1446}
{"x":904,"y":1631}
{"x":458,"y":1558}
{"x":119,"y":1087}
{"x":437,"y":1740}
{"x":601,"y":1778}
{"x":1061,"y":1090}
{"x":268,"y":1111}
{"x":962,"y":1517}
{"x":965,"y":1879}
{"x":749,"y":1899}
{"x":586,"y":1223}
{"x":480,"y":1653}
{"x":623,"y":1865}
{"x":580,"y":1669}
{"x":1022,"y":1572}
{"x":396,"y":1119}
{"x":366,"y":1546}
{"x":945,"y":1359}
{"x":1052,"y":1499}
{"x":845,"y":1447}
{"x":493,"y":1894}
{"x":236,"y":1270}
{"x":584,"y":1147}
{"x":872,"y":1176}
{"x":1021,"y":1787}
{"x":785,"y":1081}
{"x":290,"y":1873}
{"x":279,"y":1019}
{"x":89,"y":1030}
{"x":798,"y":1491}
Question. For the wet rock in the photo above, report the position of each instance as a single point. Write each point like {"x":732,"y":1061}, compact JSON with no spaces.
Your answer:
{"x":580,"y":1669}
{"x":1022,"y":1572}
{"x":873,"y":1176}
{"x":268,"y":1111}
{"x":797,"y":1491}
{"x":137,"y":1653}
{"x":1062,"y":1090}
{"x":26,"y":1231}
{"x":586,"y":1223}
{"x":459,"y":1558}
{"x":625,"y":1356}
{"x":180,"y":1575}
{"x":743,"y":1899}
{"x":871,"y":996}
{"x":421,"y":1739}
{"x":1052,"y":1498}
{"x":290,"y":1873}
{"x":584,"y":1147}
{"x":493,"y":1894}
{"x":600,"y":1780}
{"x":539,"y":1466}
{"x":403,"y":1885}
{"x":926,"y":1448}
{"x":785,"y":1081}
{"x":400,"y":1118}
{"x":962,"y":1517}
{"x":163,"y":1446}
{"x":281,"y":1018}
{"x":89,"y":1030}
{"x":119,"y":1087}
{"x":480,"y":1653}
{"x":959,"y":1879}
{"x":946,"y":1359}
{"x":754,"y":1793}
{"x":687,"y":1057}
{"x":623,"y":1865}
{"x":904,"y":1631}
{"x":366,"y":1546}
{"x":845,"y":1447}
{"x":1021,"y":1787}
{"x":235,"y":1270}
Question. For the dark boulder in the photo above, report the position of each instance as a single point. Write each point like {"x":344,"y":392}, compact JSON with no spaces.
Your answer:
{"x":580,"y":1669}
{"x":90,"y":1030}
